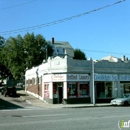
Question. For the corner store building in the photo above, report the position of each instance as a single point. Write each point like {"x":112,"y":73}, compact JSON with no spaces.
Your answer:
{"x":64,"y":78}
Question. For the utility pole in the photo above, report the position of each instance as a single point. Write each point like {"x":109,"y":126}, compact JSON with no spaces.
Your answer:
{"x":46,"y":53}
{"x":93,"y":82}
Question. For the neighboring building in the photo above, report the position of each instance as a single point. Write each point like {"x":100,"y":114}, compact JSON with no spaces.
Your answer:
{"x":61,"y":48}
{"x":112,"y":78}
{"x":111,"y":58}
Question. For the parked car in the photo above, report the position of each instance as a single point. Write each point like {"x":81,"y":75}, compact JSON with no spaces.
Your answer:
{"x":125,"y":100}
{"x":10,"y":91}
{"x":20,"y":86}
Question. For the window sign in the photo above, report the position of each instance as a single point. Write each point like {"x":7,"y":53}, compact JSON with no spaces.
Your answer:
{"x":46,"y":90}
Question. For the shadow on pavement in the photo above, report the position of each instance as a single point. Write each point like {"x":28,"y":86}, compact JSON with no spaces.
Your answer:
{"x":8,"y":105}
{"x":15,"y":96}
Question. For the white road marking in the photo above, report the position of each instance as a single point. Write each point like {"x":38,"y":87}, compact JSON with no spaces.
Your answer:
{"x":46,"y":115}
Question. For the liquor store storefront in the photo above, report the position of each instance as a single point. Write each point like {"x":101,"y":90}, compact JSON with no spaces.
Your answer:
{"x":66,"y":88}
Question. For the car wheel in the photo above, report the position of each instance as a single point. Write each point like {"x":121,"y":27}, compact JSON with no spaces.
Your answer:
{"x":125,"y":103}
{"x":5,"y":94}
{"x":2,"y":92}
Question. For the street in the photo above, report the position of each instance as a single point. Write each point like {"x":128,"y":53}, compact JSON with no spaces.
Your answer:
{"x":94,"y":118}
{"x":17,"y":114}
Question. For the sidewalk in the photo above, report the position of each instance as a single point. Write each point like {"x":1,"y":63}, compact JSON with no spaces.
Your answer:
{"x":37,"y":102}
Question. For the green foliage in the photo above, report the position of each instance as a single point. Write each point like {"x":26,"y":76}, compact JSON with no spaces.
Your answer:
{"x":13,"y":56}
{"x":20,"y":53}
{"x":4,"y":71}
{"x":78,"y":54}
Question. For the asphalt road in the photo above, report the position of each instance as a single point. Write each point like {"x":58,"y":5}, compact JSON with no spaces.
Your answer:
{"x":95,"y":118}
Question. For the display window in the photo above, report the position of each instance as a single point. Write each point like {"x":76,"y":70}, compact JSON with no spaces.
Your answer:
{"x":126,"y":88}
{"x":84,"y":89}
{"x":72,"y":89}
{"x":104,"y":89}
{"x":46,"y":90}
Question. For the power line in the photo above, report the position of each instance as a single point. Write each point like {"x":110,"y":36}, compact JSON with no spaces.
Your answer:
{"x":17,"y":5}
{"x":57,"y":21}
{"x":105,"y":52}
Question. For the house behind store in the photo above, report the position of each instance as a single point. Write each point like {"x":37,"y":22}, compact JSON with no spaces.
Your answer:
{"x":64,"y":79}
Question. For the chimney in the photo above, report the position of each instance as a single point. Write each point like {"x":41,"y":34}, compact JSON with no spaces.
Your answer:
{"x":123,"y":58}
{"x":126,"y":58}
{"x":52,"y":40}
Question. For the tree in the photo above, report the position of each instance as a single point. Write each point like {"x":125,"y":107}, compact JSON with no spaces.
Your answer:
{"x":24,"y":52}
{"x":78,"y":54}
{"x":4,"y":71}
{"x":34,"y":49}
{"x":13,"y":56}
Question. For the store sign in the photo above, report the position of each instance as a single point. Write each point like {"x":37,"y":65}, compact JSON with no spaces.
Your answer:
{"x":124,"y":77}
{"x":105,"y":77}
{"x":78,"y":77}
{"x":58,"y":77}
{"x":67,"y":77}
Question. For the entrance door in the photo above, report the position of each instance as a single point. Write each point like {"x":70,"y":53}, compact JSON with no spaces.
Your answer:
{"x":60,"y":91}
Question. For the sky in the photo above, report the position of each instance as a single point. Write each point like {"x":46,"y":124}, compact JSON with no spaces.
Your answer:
{"x":99,"y":33}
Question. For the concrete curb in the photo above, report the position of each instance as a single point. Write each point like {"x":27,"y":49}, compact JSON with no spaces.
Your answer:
{"x":67,"y":105}
{"x":85,"y":106}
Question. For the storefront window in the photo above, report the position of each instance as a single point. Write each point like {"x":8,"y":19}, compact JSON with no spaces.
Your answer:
{"x":55,"y":90}
{"x":84,"y":90}
{"x":72,"y":89}
{"x":126,"y":87}
{"x":46,"y":90}
{"x":104,"y":89}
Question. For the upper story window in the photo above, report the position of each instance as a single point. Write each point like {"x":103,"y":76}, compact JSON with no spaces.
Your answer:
{"x":30,"y":81}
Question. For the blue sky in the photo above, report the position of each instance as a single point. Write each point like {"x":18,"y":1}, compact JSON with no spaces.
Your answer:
{"x":98,"y":34}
